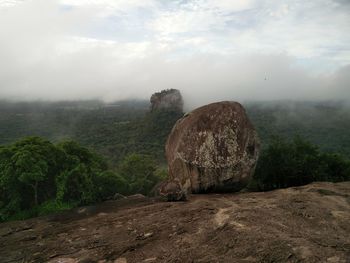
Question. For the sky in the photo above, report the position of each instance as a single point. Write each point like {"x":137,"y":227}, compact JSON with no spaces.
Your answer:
{"x":209,"y":49}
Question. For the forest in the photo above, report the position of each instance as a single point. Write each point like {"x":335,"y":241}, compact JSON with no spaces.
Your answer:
{"x":55,"y":156}
{"x":123,"y":127}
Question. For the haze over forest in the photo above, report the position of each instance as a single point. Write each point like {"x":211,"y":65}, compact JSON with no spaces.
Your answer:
{"x":210,"y":50}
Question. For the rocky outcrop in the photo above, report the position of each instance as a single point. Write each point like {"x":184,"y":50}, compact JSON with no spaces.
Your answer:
{"x":214,"y":148}
{"x":167,"y":99}
{"x":299,"y":224}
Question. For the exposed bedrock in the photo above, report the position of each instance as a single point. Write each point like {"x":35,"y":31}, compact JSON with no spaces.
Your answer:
{"x":169,"y":99}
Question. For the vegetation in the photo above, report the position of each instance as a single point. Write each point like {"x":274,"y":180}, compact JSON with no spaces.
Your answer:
{"x":325,"y":124}
{"x":121,"y":128}
{"x":297,"y":162}
{"x":38,"y":177}
{"x":119,"y":148}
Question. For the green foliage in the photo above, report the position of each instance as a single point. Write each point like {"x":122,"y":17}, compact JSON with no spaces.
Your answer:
{"x":53,"y":206}
{"x":293,"y":163}
{"x":48,"y":207}
{"x":114,"y":130}
{"x":76,"y":185}
{"x":140,"y":173}
{"x":336,"y":168}
{"x":109,"y":183}
{"x":161,"y":173}
{"x":325,"y":124}
{"x":38,"y":177}
{"x":81,"y":166}
{"x":34,"y":170}
{"x":27,"y":171}
{"x":36,"y":173}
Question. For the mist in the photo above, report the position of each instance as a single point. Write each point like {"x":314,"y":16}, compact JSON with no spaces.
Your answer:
{"x":70,"y":50}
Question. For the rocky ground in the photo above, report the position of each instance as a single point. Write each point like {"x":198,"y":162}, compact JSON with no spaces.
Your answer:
{"x":304,"y":224}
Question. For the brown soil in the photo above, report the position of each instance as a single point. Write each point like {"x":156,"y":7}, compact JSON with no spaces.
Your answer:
{"x":304,"y":224}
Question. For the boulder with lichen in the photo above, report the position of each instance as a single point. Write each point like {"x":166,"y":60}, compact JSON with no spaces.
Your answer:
{"x":214,"y":148}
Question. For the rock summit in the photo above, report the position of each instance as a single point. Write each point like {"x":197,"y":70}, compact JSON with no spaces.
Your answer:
{"x":167,"y":99}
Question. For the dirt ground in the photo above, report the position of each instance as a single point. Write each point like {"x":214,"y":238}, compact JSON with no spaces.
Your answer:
{"x":304,"y":224}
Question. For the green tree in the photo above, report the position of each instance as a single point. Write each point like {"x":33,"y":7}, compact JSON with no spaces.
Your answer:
{"x":139,"y":172}
{"x":10,"y":189}
{"x":336,"y":167}
{"x":27,"y":172}
{"x":81,"y":166}
{"x":35,"y":172}
{"x":109,"y":183}
{"x":298,"y":162}
{"x":31,"y":169}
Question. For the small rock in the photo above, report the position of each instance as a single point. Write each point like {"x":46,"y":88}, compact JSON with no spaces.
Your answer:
{"x":82,"y":210}
{"x":136,"y":196}
{"x":144,"y":236}
{"x":118,"y":196}
{"x":29,"y":238}
{"x":5,"y":232}
{"x":120,"y":260}
{"x":148,"y":234}
{"x":150,"y":259}
{"x":63,"y":260}
{"x":173,"y":191}
{"x":334,"y":259}
{"x":102,"y":214}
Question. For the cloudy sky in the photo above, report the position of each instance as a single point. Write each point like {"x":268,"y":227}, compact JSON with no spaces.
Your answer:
{"x":209,"y":49}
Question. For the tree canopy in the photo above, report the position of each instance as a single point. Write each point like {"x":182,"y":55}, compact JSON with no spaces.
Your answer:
{"x":35,"y":174}
{"x":297,"y":162}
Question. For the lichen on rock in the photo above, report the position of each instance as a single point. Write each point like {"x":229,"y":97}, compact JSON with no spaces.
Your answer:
{"x":213,"y":148}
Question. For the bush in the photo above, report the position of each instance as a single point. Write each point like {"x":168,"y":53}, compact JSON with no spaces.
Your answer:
{"x":139,"y":172}
{"x":53,"y":206}
{"x":336,"y":167}
{"x":108,"y":183}
{"x":298,"y":162}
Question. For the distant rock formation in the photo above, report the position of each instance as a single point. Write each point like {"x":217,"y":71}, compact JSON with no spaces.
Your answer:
{"x":167,"y":99}
{"x":214,"y":148}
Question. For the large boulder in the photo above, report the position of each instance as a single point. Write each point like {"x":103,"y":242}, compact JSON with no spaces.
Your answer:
{"x":167,"y":99}
{"x":213,"y":149}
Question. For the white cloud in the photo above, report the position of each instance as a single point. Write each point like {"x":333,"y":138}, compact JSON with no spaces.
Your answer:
{"x":184,"y":21}
{"x":71,"y":49}
{"x":228,"y":5}
{"x":117,"y":4}
{"x":109,"y":7}
{"x":9,"y":3}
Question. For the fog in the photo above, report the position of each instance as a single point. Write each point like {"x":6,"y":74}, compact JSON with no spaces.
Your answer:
{"x":113,"y":50}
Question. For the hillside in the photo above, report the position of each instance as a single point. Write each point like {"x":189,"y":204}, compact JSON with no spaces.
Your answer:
{"x":120,"y":128}
{"x":304,"y":224}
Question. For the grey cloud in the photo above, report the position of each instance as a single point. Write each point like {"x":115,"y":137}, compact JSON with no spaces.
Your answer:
{"x":41,"y":58}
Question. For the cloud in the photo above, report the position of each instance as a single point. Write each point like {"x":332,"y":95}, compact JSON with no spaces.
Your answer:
{"x":211,"y":50}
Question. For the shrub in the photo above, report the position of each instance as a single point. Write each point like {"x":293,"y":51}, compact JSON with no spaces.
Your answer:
{"x":298,"y":162}
{"x":108,"y":184}
{"x":139,"y":172}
